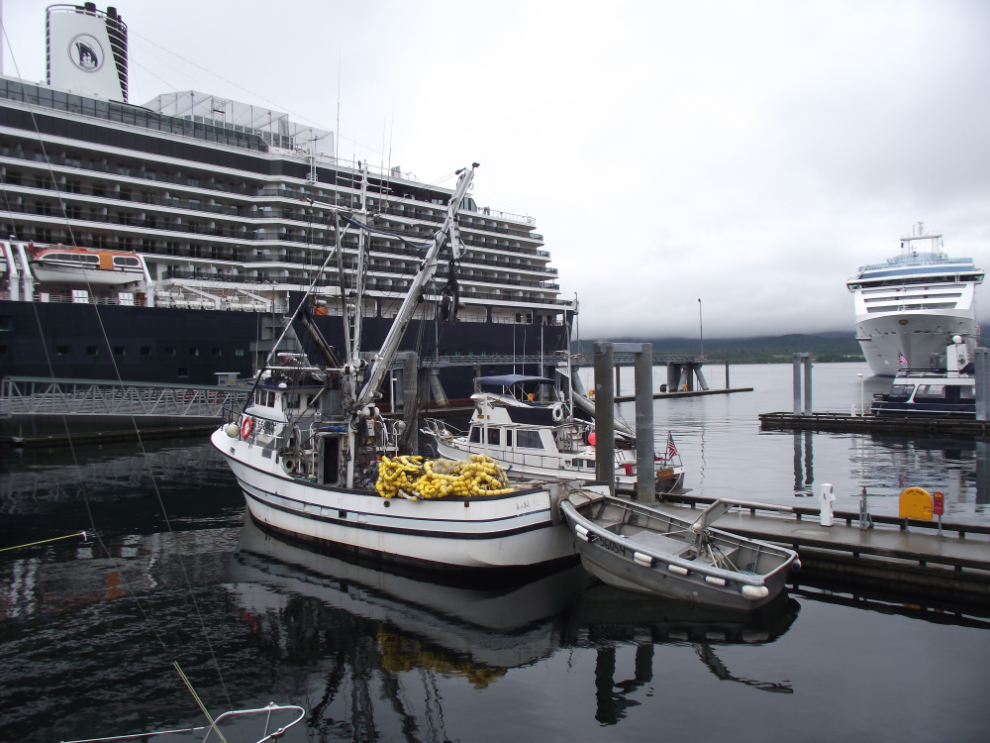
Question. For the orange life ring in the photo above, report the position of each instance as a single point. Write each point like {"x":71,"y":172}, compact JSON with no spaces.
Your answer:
{"x":246,"y":427}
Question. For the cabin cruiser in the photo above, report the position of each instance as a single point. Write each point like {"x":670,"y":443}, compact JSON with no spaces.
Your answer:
{"x":535,"y":439}
{"x":934,"y":393}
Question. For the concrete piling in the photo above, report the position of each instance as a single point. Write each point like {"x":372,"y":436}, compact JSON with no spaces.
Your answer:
{"x":804,"y":358}
{"x":604,"y":414}
{"x":645,"y":486}
{"x":981,"y":369}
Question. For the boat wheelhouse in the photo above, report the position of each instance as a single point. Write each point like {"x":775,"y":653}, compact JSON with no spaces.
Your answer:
{"x":534,"y":439}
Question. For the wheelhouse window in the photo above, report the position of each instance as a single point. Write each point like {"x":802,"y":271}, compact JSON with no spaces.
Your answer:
{"x":495,"y":436}
{"x":528,"y":440}
{"x":475,"y":437}
{"x":930,"y":393}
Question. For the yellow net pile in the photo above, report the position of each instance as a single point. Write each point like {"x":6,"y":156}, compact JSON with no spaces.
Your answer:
{"x":414,"y":477}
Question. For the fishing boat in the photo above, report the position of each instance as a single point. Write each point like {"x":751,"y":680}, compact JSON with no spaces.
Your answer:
{"x":544,"y":439}
{"x":310,"y":453}
{"x":638,"y":548}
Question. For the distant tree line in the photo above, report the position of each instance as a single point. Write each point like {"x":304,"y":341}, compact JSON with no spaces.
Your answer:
{"x":824,"y":348}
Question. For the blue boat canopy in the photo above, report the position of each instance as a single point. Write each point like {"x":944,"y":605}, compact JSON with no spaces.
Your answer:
{"x":507,"y":380}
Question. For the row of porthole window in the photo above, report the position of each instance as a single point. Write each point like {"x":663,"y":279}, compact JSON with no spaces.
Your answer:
{"x":145,"y":351}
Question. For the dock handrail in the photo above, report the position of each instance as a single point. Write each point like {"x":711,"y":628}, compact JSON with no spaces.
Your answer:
{"x":848,"y":516}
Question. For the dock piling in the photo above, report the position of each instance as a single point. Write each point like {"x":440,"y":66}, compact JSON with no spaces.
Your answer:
{"x":604,"y":415}
{"x":804,"y":358}
{"x":645,"y":486}
{"x":982,"y":370}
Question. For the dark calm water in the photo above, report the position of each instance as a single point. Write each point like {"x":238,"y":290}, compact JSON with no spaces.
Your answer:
{"x":86,"y":638}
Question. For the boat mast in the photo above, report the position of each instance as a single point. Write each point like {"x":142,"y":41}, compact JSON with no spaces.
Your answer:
{"x":342,"y":281}
{"x":355,"y":351}
{"x":426,"y":272}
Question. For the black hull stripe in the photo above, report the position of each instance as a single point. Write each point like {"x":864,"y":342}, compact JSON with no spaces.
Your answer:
{"x":376,"y":515}
{"x":400,"y":530}
{"x":516,"y":573}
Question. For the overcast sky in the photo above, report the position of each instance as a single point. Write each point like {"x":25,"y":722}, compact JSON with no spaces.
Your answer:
{"x":750,"y":154}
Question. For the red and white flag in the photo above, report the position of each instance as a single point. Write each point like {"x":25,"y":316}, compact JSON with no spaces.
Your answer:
{"x":901,"y":359}
{"x":671,"y":449}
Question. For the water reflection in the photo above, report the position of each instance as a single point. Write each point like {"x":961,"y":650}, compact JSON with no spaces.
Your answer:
{"x":804,"y":478}
{"x":474,"y":632}
{"x":608,"y":617}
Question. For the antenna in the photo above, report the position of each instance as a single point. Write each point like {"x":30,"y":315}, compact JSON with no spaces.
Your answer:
{"x":336,"y":149}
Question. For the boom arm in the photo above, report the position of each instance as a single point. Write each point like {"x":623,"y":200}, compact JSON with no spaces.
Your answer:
{"x":430,"y":264}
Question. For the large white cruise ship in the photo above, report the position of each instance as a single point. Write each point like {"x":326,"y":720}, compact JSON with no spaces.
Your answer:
{"x":909,"y":307}
{"x":216,"y":213}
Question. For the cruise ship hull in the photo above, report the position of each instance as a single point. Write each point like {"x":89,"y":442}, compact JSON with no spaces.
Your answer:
{"x":192,"y":346}
{"x":920,"y":336}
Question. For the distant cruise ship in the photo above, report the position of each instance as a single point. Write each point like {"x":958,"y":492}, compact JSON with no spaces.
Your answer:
{"x":909,"y":307}
{"x":188,"y":221}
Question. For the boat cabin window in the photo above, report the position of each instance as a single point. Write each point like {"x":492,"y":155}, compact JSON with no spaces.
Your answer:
{"x":495,"y":436}
{"x":933,"y":392}
{"x":290,"y":402}
{"x":529,"y":440}
{"x":122,"y":260}
{"x":475,"y":435}
{"x":900,"y":392}
{"x":508,"y":438}
{"x":271,"y":399}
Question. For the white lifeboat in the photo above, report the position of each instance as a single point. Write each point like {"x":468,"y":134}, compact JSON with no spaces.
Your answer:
{"x":63,"y":264}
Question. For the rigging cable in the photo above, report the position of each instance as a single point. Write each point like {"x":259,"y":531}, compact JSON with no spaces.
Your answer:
{"x":137,"y":432}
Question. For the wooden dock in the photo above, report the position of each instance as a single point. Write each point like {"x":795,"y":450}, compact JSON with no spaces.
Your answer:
{"x":908,"y":552}
{"x":845,"y":423}
{"x":687,"y":393}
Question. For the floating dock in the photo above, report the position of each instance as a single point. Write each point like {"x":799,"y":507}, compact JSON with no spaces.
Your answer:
{"x":688,"y":393}
{"x":846,"y":423}
{"x":909,"y":552}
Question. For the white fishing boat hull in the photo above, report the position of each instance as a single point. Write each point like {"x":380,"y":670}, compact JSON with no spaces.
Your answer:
{"x":511,"y":531}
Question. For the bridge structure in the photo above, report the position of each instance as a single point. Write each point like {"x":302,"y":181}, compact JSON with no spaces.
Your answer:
{"x":40,"y":407}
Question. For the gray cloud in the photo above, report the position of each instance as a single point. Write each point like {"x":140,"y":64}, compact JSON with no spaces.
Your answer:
{"x":750,"y":154}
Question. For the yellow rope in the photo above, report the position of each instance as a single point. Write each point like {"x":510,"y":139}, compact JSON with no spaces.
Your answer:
{"x":45,"y":541}
{"x":198,"y":700}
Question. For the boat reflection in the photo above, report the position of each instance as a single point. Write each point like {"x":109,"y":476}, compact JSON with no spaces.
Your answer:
{"x":608,"y":617}
{"x":402,"y":623}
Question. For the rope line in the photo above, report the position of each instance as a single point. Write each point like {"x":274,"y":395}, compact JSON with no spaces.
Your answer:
{"x":45,"y":541}
{"x":144,"y":453}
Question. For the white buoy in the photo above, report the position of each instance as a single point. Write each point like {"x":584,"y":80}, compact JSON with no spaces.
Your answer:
{"x":755,"y":592}
{"x":825,"y":499}
{"x":232,"y":430}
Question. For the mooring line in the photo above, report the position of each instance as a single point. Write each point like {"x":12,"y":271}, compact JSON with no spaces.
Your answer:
{"x":45,"y":541}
